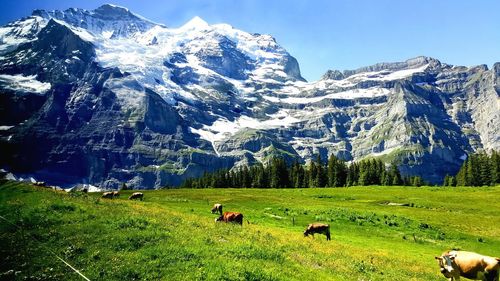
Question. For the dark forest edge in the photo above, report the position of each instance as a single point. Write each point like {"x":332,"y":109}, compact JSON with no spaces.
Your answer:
{"x":277,"y":174}
{"x":478,"y":170}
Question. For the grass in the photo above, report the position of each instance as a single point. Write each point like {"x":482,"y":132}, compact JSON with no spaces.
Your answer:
{"x":171,"y":235}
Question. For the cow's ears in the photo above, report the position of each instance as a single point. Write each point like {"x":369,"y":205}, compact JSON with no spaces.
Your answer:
{"x":436,"y":257}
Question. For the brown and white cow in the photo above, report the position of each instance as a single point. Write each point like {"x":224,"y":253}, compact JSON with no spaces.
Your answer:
{"x":217,"y":208}
{"x":108,"y":195}
{"x":456,"y":264}
{"x":318,"y":228}
{"x":136,"y":195}
{"x":231,"y":217}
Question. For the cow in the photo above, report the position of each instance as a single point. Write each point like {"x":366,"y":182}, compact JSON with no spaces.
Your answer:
{"x":455,"y":264}
{"x":40,"y":183}
{"x":136,"y":195}
{"x":217,"y":208}
{"x":231,"y":217}
{"x":116,"y":194}
{"x":318,"y":228}
{"x":108,"y":195}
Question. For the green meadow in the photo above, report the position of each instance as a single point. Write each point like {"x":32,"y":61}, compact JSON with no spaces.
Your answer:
{"x":378,"y":233}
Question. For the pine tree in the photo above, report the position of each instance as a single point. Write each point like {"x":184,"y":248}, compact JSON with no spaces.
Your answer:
{"x":473,"y":171}
{"x":367,"y":172}
{"x":321,"y":179}
{"x":312,"y":174}
{"x":279,"y":174}
{"x":293,"y":173}
{"x":341,"y":173}
{"x":233,"y":181}
{"x":257,"y":176}
{"x":353,"y":174}
{"x":331,"y":173}
{"x":301,"y":177}
{"x":485,"y":169}
{"x":336,"y":172}
{"x":479,"y":169}
{"x":247,"y":181}
{"x":364,"y":174}
{"x":495,"y":167}
{"x":449,"y":181}
{"x":395,"y":175}
{"x":416,"y":181}
{"x":297,"y":175}
{"x":462,"y":175}
{"x":307,"y":177}
{"x":386,"y":179}
{"x":380,"y":170}
{"x":452,"y":181}
{"x":446,"y":181}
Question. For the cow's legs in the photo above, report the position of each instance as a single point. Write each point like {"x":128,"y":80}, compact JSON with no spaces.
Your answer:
{"x":491,"y":275}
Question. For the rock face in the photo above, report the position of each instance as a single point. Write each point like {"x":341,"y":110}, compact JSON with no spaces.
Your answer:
{"x":104,"y":97}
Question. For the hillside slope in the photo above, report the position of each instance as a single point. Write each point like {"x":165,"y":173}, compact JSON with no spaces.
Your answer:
{"x":171,"y":235}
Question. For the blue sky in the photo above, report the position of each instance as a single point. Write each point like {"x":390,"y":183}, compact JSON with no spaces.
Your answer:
{"x":332,"y":34}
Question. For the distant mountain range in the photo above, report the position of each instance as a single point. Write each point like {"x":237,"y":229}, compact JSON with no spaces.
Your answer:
{"x":106,"y":97}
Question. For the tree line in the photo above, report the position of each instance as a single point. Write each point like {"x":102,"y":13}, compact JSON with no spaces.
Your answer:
{"x":479,"y":169}
{"x":332,"y":173}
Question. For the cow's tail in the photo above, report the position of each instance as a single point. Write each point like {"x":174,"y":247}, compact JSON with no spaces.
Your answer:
{"x":248,"y":222}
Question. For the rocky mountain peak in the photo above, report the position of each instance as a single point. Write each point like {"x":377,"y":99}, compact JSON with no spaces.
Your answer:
{"x":108,"y":20}
{"x":60,"y":40}
{"x":422,"y":62}
{"x":113,"y":10}
{"x":397,"y":66}
{"x":195,"y":23}
{"x":333,"y":75}
{"x":496,"y":68}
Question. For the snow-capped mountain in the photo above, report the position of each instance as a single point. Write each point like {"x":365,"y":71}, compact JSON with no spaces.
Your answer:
{"x":107,"y":96}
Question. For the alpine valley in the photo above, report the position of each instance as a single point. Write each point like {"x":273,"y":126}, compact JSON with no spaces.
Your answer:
{"x":106,"y":97}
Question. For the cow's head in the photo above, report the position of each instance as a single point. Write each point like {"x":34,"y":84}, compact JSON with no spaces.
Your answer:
{"x":445,"y":264}
{"x":307,"y":231}
{"x":221,"y":218}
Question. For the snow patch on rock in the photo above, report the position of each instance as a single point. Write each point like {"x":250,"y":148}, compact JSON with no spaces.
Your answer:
{"x":20,"y":83}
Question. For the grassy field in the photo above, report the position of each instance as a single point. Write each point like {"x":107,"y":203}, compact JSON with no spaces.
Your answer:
{"x":171,"y":235}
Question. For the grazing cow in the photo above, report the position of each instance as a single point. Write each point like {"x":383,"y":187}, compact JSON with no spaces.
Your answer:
{"x":217,"y":208}
{"x":231,"y":217}
{"x":116,"y":194}
{"x":108,"y":195}
{"x":136,"y":195}
{"x":318,"y":228}
{"x":40,"y":183}
{"x":456,"y":264}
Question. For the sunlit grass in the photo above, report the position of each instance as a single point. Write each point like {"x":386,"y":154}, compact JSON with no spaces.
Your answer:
{"x":171,"y":235}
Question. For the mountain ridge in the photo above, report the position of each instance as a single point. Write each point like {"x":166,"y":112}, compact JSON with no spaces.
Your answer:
{"x":133,"y":101}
